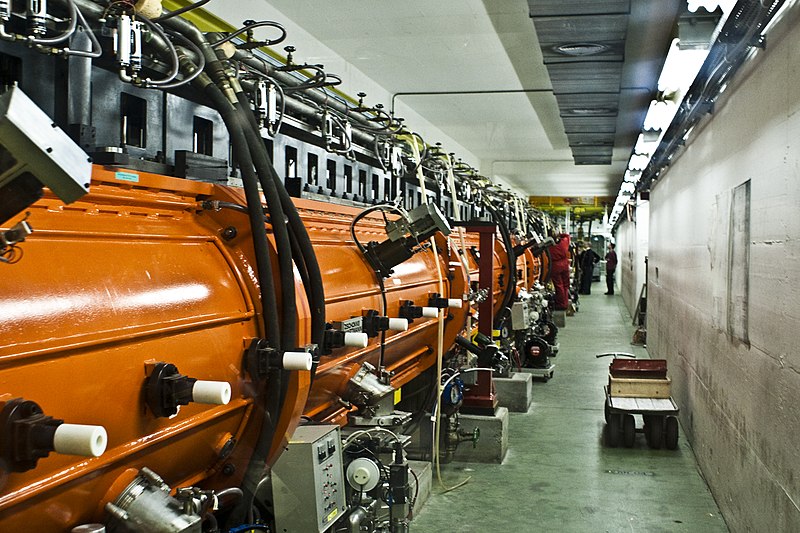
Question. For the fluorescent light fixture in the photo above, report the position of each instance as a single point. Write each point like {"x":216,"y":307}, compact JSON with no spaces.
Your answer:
{"x":632,"y":176}
{"x":711,"y":5}
{"x":660,"y":114}
{"x":645,"y":145}
{"x":638,"y":162}
{"x":680,"y":68}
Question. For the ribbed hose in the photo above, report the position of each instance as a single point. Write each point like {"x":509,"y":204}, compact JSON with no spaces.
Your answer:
{"x":512,"y":259}
{"x":258,"y":461}
{"x":315,"y":290}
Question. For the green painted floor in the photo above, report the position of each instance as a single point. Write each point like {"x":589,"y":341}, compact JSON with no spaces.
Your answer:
{"x":558,"y":475}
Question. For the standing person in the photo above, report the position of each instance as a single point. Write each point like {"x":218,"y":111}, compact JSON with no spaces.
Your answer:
{"x":559,"y":270}
{"x":611,"y":267}
{"x":587,"y":259}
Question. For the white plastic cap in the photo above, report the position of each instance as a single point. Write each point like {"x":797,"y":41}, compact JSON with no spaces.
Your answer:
{"x":430,"y":312}
{"x":79,"y":439}
{"x":363,"y":474}
{"x":454,"y":303}
{"x":398,"y":324}
{"x":357,"y":340}
{"x":297,"y":361}
{"x":211,"y":392}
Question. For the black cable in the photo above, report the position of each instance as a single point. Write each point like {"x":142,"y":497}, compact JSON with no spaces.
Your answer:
{"x":512,"y":268}
{"x":383,"y":313}
{"x":255,"y":215}
{"x":181,"y":11}
{"x":279,"y":227}
{"x":316,"y":290}
{"x":257,"y":463}
{"x":254,"y":44}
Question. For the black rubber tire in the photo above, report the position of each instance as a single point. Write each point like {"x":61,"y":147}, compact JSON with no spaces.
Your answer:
{"x":550,"y":332}
{"x":606,"y":412}
{"x":671,"y":433}
{"x":654,"y":430}
{"x":628,"y":430}
{"x":613,"y":431}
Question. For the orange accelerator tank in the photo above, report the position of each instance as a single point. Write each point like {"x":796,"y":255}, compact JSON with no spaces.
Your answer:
{"x":352,"y":289}
{"x":133,"y":274}
{"x":544,"y":268}
{"x":528,"y":269}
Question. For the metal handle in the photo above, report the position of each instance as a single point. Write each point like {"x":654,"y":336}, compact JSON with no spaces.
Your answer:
{"x":615,"y":355}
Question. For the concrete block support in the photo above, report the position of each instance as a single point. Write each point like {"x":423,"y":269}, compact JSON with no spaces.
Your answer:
{"x":424,"y":476}
{"x":493,"y":443}
{"x":560,"y":318}
{"x":515,"y":392}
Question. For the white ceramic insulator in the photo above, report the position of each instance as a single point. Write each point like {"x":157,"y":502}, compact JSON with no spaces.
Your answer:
{"x":211,"y":392}
{"x":398,"y":324}
{"x":454,"y":303}
{"x":148,"y":8}
{"x":297,"y":361}
{"x":430,"y":312}
{"x":80,"y":439}
{"x":357,"y":340}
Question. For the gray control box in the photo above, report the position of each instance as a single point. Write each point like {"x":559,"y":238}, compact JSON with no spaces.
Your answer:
{"x":308,"y":481}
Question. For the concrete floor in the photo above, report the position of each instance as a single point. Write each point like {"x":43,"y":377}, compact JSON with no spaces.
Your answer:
{"x":558,"y":475}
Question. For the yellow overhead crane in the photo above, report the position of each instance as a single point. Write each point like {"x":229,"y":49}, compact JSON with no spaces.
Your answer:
{"x":580,"y":207}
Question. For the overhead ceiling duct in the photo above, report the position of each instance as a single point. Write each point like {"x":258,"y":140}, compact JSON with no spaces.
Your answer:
{"x":583,"y":46}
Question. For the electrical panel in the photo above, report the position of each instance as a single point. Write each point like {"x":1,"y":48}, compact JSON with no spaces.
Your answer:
{"x":309,"y":474}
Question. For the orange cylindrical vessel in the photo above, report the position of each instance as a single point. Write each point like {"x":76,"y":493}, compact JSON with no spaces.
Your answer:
{"x":352,"y":288}
{"x":133,"y":273}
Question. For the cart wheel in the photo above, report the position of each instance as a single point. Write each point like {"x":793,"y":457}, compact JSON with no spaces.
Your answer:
{"x":628,"y":430}
{"x":671,"y":433}
{"x":550,"y":332}
{"x":606,"y":411}
{"x":654,"y":430}
{"x":612,"y":430}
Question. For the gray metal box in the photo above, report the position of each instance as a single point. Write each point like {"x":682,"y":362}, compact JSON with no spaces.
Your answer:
{"x":30,"y":142}
{"x":308,"y":481}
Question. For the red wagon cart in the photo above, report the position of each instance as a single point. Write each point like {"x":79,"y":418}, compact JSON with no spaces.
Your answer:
{"x":639,"y":387}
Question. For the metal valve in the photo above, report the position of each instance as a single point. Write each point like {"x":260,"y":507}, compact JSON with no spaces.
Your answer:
{"x":36,"y":14}
{"x":128,"y":43}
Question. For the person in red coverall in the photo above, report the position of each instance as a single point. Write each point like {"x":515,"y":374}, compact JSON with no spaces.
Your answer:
{"x":559,"y":270}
